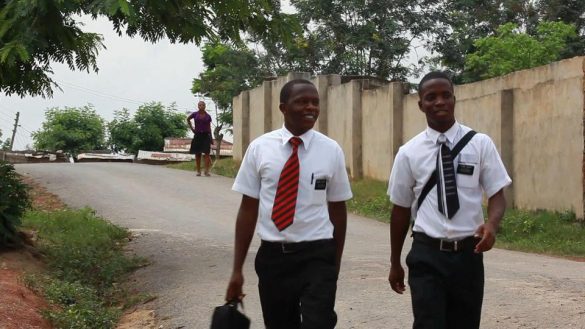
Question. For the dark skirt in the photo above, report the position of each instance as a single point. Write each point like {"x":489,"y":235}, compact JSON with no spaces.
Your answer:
{"x":201,"y":143}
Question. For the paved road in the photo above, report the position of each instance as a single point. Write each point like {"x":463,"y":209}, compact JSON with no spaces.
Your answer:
{"x":185,"y":226}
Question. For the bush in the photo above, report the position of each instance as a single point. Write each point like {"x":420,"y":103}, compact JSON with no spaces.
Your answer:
{"x":14,"y":201}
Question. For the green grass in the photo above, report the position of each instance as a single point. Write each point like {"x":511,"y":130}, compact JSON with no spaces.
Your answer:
{"x":370,"y":199}
{"x":224,"y":167}
{"x":86,"y":266}
{"x":543,"y":232}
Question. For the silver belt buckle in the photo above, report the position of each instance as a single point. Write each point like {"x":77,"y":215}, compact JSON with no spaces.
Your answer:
{"x":452,"y":243}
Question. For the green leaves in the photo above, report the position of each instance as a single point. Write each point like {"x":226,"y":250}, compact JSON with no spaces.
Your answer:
{"x":71,"y":129}
{"x":511,"y":50}
{"x":229,"y":71}
{"x":459,"y":24}
{"x":151,"y":124}
{"x":14,"y":201}
{"x":36,"y":34}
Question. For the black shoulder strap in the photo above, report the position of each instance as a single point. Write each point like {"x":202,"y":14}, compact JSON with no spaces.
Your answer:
{"x":433,"y":179}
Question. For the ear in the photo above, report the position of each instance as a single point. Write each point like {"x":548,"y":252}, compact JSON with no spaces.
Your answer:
{"x":282,"y":108}
{"x":420,"y":105}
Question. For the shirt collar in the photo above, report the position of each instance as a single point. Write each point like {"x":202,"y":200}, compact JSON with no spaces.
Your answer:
{"x":306,"y":137}
{"x":433,"y":135}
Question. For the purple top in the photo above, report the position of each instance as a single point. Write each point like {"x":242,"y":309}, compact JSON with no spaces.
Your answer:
{"x":202,"y":124}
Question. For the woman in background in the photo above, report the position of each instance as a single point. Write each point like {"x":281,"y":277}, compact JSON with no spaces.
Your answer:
{"x":202,"y":140}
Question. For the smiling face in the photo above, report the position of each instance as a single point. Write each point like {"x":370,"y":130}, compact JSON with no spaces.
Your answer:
{"x":201,"y":105}
{"x":301,"y":110}
{"x":437,"y":101}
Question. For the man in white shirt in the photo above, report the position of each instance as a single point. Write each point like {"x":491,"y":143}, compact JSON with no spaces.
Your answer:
{"x":445,"y":264}
{"x":294,"y":183}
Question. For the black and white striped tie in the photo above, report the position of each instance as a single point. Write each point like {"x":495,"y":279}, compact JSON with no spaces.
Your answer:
{"x":446,"y":185}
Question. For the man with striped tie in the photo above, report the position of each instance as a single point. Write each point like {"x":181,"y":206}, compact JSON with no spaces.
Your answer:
{"x":294,"y":185}
{"x":438,"y":179}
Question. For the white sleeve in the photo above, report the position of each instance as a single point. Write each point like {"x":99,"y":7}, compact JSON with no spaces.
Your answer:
{"x":493,"y":175}
{"x":248,"y":179}
{"x":339,"y":188}
{"x":402,"y":182}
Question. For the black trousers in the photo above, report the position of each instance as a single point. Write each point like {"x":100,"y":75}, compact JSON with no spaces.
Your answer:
{"x":297,"y":284}
{"x":446,"y":287}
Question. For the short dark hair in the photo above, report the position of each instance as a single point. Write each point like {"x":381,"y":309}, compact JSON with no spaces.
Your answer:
{"x":286,"y":89}
{"x":434,"y":75}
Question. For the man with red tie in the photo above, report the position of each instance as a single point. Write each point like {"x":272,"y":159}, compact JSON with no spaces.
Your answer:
{"x":294,"y":185}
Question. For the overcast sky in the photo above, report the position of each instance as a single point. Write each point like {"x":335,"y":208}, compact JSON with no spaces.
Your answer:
{"x":131,"y":72}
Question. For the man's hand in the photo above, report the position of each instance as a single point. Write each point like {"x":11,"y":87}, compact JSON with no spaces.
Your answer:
{"x":234,"y":290}
{"x":396,"y":278}
{"x":487,"y":233}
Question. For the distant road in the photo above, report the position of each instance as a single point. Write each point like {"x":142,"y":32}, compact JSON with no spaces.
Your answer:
{"x":184,"y":225}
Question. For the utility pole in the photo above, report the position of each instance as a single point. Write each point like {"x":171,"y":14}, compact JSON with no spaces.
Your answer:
{"x":14,"y":130}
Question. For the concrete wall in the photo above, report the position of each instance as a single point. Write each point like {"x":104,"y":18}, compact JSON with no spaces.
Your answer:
{"x":260,"y":110}
{"x":535,"y":117}
{"x":241,"y":131}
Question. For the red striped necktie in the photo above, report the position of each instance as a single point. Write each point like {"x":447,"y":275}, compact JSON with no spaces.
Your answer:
{"x":285,"y":202}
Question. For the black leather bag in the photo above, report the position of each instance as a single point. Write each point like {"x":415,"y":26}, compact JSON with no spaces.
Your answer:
{"x":228,"y":316}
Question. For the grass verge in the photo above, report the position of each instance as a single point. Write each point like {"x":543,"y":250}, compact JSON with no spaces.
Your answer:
{"x":543,"y":232}
{"x":86,"y":266}
{"x":224,"y":167}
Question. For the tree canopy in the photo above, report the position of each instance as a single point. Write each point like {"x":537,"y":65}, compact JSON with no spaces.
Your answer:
{"x":148,"y":128}
{"x":460,"y":23}
{"x":511,"y":50}
{"x":353,"y":37}
{"x":71,"y":129}
{"x":229,"y":71}
{"x":35,"y":34}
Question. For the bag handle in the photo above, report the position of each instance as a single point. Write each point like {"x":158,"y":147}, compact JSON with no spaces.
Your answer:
{"x":235,"y":302}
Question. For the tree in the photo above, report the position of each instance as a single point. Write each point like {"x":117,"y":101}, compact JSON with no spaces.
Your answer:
{"x":229,"y":71}
{"x":356,"y":37}
{"x":6,"y":145}
{"x":460,"y":23}
{"x":123,"y":132}
{"x":570,"y":12}
{"x":71,"y":129}
{"x":511,"y":50}
{"x":35,"y":34}
{"x":152,"y":122}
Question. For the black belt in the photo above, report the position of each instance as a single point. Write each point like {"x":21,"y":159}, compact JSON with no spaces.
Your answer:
{"x":291,"y":247}
{"x":466,"y":244}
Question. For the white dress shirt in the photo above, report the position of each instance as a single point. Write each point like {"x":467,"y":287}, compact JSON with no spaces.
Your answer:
{"x":321,"y":160}
{"x":414,"y":164}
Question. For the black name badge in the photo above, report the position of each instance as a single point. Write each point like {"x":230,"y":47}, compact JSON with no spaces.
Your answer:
{"x":465,"y":169}
{"x":320,"y":184}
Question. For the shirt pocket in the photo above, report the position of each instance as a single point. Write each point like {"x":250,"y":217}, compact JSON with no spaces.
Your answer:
{"x":319,"y":186}
{"x":468,"y":170}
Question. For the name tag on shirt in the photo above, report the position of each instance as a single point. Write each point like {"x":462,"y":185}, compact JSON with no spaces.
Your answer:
{"x":321,"y":184}
{"x":465,"y":169}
